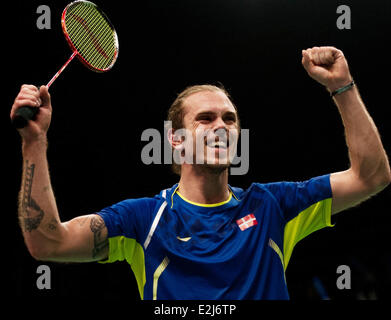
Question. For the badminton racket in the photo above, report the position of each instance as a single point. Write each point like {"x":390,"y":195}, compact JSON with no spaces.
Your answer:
{"x":91,"y":37}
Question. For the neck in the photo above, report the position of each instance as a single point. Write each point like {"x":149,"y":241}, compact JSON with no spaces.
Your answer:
{"x":202,"y":184}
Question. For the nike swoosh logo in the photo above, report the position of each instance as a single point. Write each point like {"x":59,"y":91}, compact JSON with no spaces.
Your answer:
{"x":184,"y":239}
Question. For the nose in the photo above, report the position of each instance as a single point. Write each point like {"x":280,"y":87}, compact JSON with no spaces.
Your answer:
{"x":220,"y":130}
{"x":219,"y":124}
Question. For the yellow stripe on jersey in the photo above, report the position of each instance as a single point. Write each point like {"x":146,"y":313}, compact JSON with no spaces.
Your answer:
{"x":205,"y":204}
{"x":307,"y":221}
{"x":172,"y":196}
{"x":156,"y":275}
{"x":275,"y":247}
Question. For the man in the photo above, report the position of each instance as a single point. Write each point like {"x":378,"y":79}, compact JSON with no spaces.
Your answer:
{"x":203,"y":239}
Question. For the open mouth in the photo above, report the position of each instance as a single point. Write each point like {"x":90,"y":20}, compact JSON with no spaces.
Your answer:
{"x":217,"y":144}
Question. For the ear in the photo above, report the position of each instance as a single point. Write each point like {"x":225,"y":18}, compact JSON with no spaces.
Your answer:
{"x":174,"y":140}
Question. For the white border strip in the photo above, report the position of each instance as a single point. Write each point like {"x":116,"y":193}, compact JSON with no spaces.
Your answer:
{"x":154,"y":224}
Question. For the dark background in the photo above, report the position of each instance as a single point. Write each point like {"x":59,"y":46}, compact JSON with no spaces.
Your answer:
{"x":253,"y":47}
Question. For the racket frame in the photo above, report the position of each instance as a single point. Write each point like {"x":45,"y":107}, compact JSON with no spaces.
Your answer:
{"x":74,"y":49}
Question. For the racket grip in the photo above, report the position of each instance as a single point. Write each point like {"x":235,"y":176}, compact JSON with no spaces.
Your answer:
{"x":23,"y":115}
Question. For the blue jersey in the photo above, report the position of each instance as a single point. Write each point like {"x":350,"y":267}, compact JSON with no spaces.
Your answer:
{"x":236,"y":249}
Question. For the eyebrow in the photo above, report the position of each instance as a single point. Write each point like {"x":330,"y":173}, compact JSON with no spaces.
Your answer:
{"x":211,"y":113}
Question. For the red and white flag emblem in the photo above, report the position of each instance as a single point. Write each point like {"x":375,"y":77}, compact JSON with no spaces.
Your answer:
{"x":247,"y":222}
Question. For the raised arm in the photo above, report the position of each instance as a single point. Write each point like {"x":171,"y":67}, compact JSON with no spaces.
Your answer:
{"x":47,"y":238}
{"x":369,"y":171}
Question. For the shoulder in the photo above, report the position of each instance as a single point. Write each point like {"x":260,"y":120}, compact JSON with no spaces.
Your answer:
{"x":132,"y":205}
{"x":319,"y":184}
{"x":316,"y":188}
{"x":131,"y":217}
{"x":254,"y":190}
{"x":142,"y":207}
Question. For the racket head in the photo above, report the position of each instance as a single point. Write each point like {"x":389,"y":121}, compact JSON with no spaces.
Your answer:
{"x":90,"y":34}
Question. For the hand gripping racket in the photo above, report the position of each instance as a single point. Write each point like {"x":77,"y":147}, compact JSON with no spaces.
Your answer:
{"x":92,"y":39}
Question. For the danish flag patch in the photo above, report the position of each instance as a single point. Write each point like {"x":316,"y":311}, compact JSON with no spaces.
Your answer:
{"x":247,"y":222}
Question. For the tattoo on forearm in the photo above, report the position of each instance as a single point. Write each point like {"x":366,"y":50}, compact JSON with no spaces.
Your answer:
{"x":100,"y":243}
{"x":30,"y":214}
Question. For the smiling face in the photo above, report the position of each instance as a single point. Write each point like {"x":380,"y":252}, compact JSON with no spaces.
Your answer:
{"x":212,"y":120}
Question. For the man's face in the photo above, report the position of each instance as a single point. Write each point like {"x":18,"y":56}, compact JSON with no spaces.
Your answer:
{"x":212,"y":120}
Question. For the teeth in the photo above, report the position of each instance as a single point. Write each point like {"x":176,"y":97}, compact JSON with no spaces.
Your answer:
{"x":219,"y":144}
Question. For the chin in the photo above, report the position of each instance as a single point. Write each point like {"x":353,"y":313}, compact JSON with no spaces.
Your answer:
{"x":216,"y":168}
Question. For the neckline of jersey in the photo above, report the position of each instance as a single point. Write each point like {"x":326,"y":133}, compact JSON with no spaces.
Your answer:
{"x":206,"y":205}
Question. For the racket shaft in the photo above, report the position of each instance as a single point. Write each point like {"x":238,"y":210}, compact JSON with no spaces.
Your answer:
{"x":62,"y":69}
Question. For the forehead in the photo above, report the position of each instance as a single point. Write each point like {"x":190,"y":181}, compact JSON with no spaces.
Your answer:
{"x":207,"y":101}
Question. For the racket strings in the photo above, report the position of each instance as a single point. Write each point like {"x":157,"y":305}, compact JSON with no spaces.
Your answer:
{"x":98,"y":29}
{"x":91,"y":30}
{"x":91,"y":34}
{"x":98,"y":46}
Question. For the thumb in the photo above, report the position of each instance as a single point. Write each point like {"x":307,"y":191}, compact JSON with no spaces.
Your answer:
{"x":45,"y":96}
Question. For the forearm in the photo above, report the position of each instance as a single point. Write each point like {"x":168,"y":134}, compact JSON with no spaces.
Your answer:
{"x":368,"y":159}
{"x":37,"y":210}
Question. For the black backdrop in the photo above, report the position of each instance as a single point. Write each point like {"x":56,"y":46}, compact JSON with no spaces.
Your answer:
{"x":254,"y":49}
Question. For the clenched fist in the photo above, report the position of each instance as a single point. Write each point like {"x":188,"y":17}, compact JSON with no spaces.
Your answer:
{"x":328,"y":66}
{"x":31,"y":96}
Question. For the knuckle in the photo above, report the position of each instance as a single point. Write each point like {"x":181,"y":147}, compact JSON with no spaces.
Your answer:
{"x":22,"y":96}
{"x":18,"y":98}
{"x":28,"y":87}
{"x":16,"y":105}
{"x":25,"y":90}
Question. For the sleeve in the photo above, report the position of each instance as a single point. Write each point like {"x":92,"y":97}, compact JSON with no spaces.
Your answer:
{"x":306,"y":207}
{"x":126,"y":223}
{"x":294,"y":197}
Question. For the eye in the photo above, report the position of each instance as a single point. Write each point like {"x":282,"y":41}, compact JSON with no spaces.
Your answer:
{"x":204,"y":118}
{"x":230,"y":118}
